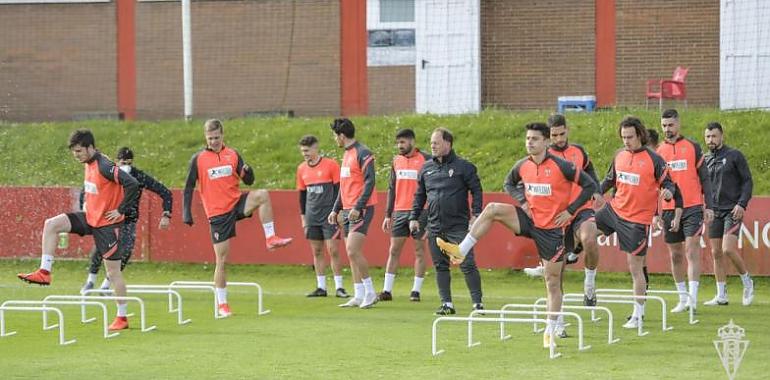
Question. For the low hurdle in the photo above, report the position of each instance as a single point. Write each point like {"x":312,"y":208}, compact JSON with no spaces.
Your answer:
{"x":689,"y":297}
{"x":181,"y":287}
{"x":610,"y":329}
{"x":434,"y":347}
{"x":534,"y":314}
{"x":45,"y":302}
{"x":260,"y":309}
{"x":170,"y":292}
{"x":86,"y":297}
{"x":44,"y":309}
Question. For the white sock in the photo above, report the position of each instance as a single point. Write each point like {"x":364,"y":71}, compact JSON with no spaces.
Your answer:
{"x":389,"y":279}
{"x":221,"y":295}
{"x":560,"y":320}
{"x":122,"y":309}
{"x":549,"y":325}
{"x":338,"y":282}
{"x":368,"y":285}
{"x":722,"y":289}
{"x":321,"y":282}
{"x":46,"y":262}
{"x":91,"y":278}
{"x":417,"y":284}
{"x":638,"y":310}
{"x":269,"y":229}
{"x":694,"y":292}
{"x":682,"y":287}
{"x":358,"y":291}
{"x":105,"y":283}
{"x":589,"y":283}
{"x":746,"y":279}
{"x":467,"y":244}
{"x":449,"y":304}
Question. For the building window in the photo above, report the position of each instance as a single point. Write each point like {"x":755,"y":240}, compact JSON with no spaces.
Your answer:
{"x":396,"y":10}
{"x":391,"y":37}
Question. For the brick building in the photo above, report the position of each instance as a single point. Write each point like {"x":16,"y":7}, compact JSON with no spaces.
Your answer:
{"x":59,"y":61}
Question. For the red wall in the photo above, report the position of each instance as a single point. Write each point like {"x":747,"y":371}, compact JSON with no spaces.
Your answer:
{"x":24,"y":209}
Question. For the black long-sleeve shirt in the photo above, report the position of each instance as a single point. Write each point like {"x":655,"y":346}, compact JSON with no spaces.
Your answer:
{"x":730,"y":178}
{"x":445,"y":185}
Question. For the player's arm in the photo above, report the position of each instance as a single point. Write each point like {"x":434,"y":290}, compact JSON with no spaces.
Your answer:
{"x":366,"y":163}
{"x":156,"y":187}
{"x":189,"y":187}
{"x":302,"y":190}
{"x":420,"y":196}
{"x":473,"y":183}
{"x":513,"y":185}
{"x":609,"y":179}
{"x":112,"y":173}
{"x":703,"y":176}
{"x":588,"y":186}
{"x":244,"y":171}
{"x":747,"y":183}
{"x":391,"y":193}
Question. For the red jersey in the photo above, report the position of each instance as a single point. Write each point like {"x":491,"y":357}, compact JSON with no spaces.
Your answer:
{"x":637,"y":177}
{"x":684,"y":159}
{"x":577,"y":156}
{"x":319,"y":184}
{"x":218,"y":175}
{"x":356,"y":178}
{"x":403,"y":180}
{"x":547,"y":188}
{"x":107,"y":188}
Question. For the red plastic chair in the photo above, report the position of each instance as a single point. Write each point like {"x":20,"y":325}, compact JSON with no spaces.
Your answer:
{"x":673,"y":88}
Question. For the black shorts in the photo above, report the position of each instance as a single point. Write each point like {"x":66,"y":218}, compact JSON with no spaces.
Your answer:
{"x":582,"y":216}
{"x":691,"y":224}
{"x":724,"y":224}
{"x":549,"y":242}
{"x":108,"y":239}
{"x":361,"y":225}
{"x":323,"y":232}
{"x":223,"y":226}
{"x":632,"y":236}
{"x":399,"y":225}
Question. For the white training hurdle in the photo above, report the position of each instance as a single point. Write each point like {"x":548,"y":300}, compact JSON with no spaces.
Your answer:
{"x":182,"y":287}
{"x":83,"y":304}
{"x":434,"y":348}
{"x":44,"y":309}
{"x":534,"y":314}
{"x":680,"y":293}
{"x":260,"y":309}
{"x":610,"y":329}
{"x":86,"y":297}
{"x":170,"y":292}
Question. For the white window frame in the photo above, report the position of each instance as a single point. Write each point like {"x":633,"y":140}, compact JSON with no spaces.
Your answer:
{"x":391,"y":55}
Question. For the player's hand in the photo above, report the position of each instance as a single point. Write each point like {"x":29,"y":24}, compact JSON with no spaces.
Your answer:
{"x":113,"y":215}
{"x":657,"y":223}
{"x":675,"y":223}
{"x":738,"y":212}
{"x":386,"y":225}
{"x":332,"y":218}
{"x":599,"y":201}
{"x":354,"y":215}
{"x":165,"y":221}
{"x":562,"y":219}
{"x":708,"y":216}
{"x":666,"y":194}
{"x":414,"y":226}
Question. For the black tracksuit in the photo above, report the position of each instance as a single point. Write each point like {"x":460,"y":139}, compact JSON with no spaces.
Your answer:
{"x":445,"y":184}
{"x":730,"y":178}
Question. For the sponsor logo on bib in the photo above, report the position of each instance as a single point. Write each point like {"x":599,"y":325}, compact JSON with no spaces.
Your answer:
{"x":315,"y":189}
{"x":538,"y":189}
{"x":406,"y":174}
{"x":220,"y":171}
{"x":678,"y":165}
{"x":90,"y":187}
{"x":345,"y":172}
{"x":629,"y":178}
